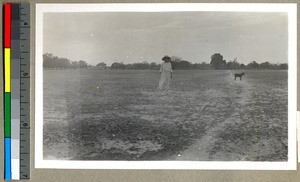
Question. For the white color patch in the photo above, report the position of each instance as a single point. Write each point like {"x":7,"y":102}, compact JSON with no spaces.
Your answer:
{"x":15,"y":169}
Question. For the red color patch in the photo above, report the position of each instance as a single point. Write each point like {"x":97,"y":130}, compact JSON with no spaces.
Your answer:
{"x":7,"y":24}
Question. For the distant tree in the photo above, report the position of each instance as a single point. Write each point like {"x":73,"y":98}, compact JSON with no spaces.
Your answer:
{"x":101,"y":65}
{"x":142,"y":66}
{"x":253,"y":65}
{"x":185,"y":65}
{"x":74,"y":64}
{"x":265,"y":65}
{"x":179,"y":64}
{"x":204,"y":66}
{"x":233,"y":65}
{"x":53,"y":62}
{"x":217,"y":61}
{"x":64,"y":63}
{"x":243,"y":66}
{"x":48,"y":60}
{"x":82,"y":64}
{"x":154,"y":66}
{"x":175,"y":61}
{"x":283,"y":66}
{"x":273,"y":67}
{"x":117,"y":66}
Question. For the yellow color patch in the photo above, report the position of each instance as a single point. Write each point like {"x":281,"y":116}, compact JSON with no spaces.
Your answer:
{"x":7,"y":69}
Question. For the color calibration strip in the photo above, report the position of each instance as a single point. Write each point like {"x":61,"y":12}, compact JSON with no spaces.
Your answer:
{"x":7,"y":92}
{"x":16,"y":91}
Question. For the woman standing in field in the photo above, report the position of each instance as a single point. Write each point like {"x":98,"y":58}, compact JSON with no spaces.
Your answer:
{"x":166,"y":74}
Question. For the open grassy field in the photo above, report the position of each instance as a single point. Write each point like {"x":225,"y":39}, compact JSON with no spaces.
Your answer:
{"x":207,"y":116}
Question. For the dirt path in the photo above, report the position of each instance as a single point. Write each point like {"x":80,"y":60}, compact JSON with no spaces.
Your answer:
{"x":202,"y":149}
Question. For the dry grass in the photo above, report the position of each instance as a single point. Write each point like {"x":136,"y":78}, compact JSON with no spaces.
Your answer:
{"x":119,"y":115}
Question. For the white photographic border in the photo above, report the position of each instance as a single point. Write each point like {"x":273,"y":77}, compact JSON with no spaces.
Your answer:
{"x":289,"y":8}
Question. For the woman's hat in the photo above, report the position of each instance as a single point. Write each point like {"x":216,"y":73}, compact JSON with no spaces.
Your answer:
{"x":166,"y":58}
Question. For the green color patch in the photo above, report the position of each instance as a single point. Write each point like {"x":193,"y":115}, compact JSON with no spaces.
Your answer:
{"x":7,"y":114}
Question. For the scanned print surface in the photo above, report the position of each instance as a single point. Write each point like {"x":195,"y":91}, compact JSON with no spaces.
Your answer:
{"x":204,"y":86}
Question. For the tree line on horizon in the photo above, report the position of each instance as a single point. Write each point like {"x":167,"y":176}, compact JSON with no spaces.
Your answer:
{"x":217,"y":63}
{"x":53,"y":62}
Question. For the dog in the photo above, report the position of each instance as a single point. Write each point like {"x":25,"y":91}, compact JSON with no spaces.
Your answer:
{"x":238,"y":75}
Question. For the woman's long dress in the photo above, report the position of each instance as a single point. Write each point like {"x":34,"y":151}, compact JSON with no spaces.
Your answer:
{"x":165,"y":78}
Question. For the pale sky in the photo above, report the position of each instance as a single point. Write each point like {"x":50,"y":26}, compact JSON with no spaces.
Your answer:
{"x":193,"y":36}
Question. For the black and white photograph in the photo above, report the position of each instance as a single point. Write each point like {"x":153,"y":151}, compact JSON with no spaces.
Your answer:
{"x":174,"y":86}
